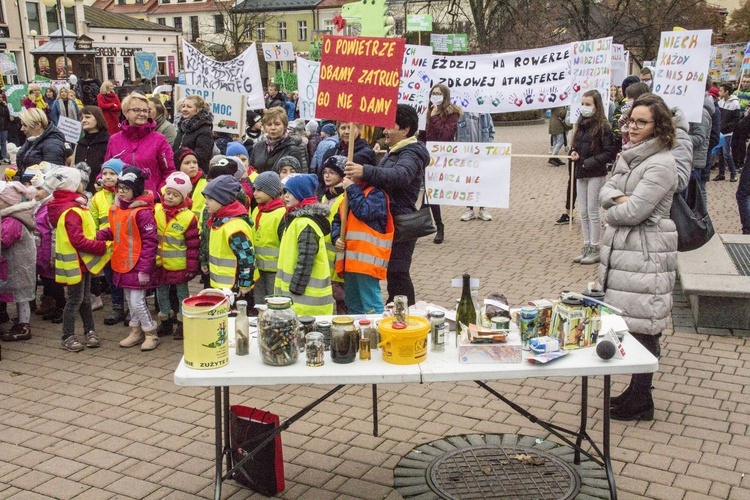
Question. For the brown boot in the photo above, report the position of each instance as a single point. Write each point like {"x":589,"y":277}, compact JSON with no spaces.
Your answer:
{"x":152,"y":340}
{"x":47,"y":306}
{"x":134,"y":338}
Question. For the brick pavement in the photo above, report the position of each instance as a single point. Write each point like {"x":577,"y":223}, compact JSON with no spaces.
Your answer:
{"x":109,"y":423}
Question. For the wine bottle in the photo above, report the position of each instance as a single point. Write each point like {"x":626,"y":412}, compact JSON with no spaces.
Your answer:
{"x":466,"y":312}
{"x":241,"y":329}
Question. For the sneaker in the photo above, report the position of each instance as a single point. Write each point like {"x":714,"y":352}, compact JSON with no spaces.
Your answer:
{"x":564,"y":219}
{"x":719,"y":177}
{"x":484,"y":215}
{"x":733,"y":178}
{"x":468,"y":215}
{"x":584,"y":253}
{"x":592,"y":257}
{"x":72,"y":344}
{"x":96,"y":303}
{"x":92,"y":339}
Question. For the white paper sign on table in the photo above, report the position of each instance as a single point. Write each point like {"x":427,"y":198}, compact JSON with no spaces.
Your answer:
{"x":70,"y":128}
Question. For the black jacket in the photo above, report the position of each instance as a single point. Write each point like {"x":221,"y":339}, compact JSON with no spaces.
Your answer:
{"x":593,"y":157}
{"x":91,"y":149}
{"x":50,"y":147}
{"x":4,"y":116}
{"x":263,"y":161}
{"x":363,"y":154}
{"x":196,"y":133}
{"x":400,"y":175}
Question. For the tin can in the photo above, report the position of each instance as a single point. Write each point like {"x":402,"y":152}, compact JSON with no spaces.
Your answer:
{"x":437,"y":331}
{"x":324,"y":327}
{"x":527,"y":325}
{"x":500,"y":323}
{"x":364,"y":349}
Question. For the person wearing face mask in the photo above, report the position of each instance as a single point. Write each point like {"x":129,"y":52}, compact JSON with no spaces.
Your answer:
{"x":647,"y":77}
{"x":592,"y":149}
{"x":442,"y":123}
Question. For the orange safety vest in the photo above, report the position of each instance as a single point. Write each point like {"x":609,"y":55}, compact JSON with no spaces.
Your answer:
{"x":367,"y":250}
{"x":127,"y":238}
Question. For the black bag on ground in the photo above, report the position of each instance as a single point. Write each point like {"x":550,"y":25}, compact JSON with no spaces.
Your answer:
{"x":413,"y":225}
{"x":263,"y":473}
{"x":694,"y":227}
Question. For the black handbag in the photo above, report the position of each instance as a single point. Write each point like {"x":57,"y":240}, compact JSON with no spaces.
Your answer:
{"x":694,"y":227}
{"x":413,"y":225}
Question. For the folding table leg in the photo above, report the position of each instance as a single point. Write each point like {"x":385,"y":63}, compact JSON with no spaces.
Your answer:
{"x":584,"y":417}
{"x":375,"y":410}
{"x":218,"y":442}
{"x":227,"y":442}
{"x":605,"y":441}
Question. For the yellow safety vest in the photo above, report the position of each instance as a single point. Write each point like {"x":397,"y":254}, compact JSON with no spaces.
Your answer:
{"x":318,"y":297}
{"x":222,"y":263}
{"x":171,"y":254}
{"x":199,"y":201}
{"x":100,"y":203}
{"x":330,"y":247}
{"x":266,"y":239}
{"x":67,"y":258}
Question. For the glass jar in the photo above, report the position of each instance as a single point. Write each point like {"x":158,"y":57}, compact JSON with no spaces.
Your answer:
{"x":306,"y":325}
{"x":437,"y":331}
{"x":344,"y":340}
{"x":368,"y":331}
{"x":314,"y":349}
{"x":277,"y":332}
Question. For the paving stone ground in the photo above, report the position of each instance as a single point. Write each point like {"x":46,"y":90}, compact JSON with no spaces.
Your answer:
{"x":110,"y":423}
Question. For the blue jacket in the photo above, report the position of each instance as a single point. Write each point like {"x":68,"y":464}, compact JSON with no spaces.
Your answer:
{"x":54,"y":112}
{"x":289,"y":106}
{"x":371,"y":209}
{"x":323,"y":146}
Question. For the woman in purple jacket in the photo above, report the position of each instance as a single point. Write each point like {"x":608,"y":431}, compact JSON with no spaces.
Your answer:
{"x":139,"y":144}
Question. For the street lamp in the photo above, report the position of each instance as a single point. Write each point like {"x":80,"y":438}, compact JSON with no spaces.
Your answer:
{"x":58,"y":5}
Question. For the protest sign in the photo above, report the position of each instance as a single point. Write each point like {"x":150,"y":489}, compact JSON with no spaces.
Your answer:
{"x":228,"y":108}
{"x":15,"y":93}
{"x":70,"y":128}
{"x":591,"y":69}
{"x":419,"y":22}
{"x":316,"y":43}
{"x":359,"y":79}
{"x":145,"y":63}
{"x":8,"y":64}
{"x":278,"y":51}
{"x":240,"y":75}
{"x":414,"y":89}
{"x":681,"y":70}
{"x":468,"y":173}
{"x":620,"y":63}
{"x":308,"y":74}
{"x":286,"y":79}
{"x":746,"y":59}
{"x":726,"y":61}
{"x":503,"y":83}
{"x":449,"y":43}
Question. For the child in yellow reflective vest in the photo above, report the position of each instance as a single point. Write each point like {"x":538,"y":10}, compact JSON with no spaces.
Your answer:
{"x":177,"y":253}
{"x":304,"y":273}
{"x":187,"y":163}
{"x":333,"y":175}
{"x":268,"y":227}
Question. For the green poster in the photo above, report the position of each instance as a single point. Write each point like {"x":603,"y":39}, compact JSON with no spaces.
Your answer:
{"x":419,"y":23}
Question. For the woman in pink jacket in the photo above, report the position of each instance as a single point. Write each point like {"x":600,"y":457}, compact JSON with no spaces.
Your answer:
{"x":139,"y":144}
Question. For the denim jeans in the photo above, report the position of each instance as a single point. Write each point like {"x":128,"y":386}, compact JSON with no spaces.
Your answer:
{"x":743,"y":200}
{"x":78,"y":301}
{"x":557,"y":143}
{"x":726,"y":157}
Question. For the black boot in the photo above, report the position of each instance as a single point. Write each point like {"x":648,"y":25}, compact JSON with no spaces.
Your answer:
{"x":115,"y":316}
{"x":178,"y":331}
{"x":638,"y":406}
{"x":440,"y":233}
{"x":165,"y":327}
{"x":618,"y":400}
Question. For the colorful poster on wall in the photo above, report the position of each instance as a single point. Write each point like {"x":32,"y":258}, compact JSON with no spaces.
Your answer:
{"x":228,"y":108}
{"x":590,"y":69}
{"x":308,"y":75}
{"x":241,"y":75}
{"x":504,"y":83}
{"x":681,"y":70}
{"x":414,"y":89}
{"x":316,"y":43}
{"x":468,"y":173}
{"x":359,"y":79}
{"x":726,"y":62}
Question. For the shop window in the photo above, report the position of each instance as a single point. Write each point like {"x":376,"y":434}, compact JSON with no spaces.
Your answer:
{"x":2,"y":16}
{"x":194,"y":28}
{"x":164,"y":1}
{"x":328,"y":25}
{"x":126,"y":70}
{"x":219,"y":24}
{"x":302,"y":30}
{"x":162,"y":62}
{"x":32,"y":13}
{"x":110,"y":68}
{"x":282,"y":31}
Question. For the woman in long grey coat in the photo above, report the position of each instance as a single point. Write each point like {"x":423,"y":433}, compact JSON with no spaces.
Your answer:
{"x":639,"y":248}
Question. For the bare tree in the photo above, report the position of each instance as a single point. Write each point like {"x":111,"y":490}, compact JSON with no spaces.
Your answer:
{"x":238,"y":29}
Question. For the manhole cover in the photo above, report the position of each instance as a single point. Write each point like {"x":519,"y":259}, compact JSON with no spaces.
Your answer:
{"x":740,"y":255}
{"x":502,"y":471}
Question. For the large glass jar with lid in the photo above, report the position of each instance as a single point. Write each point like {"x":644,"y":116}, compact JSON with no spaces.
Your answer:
{"x":277,"y":332}
{"x":344,"y":340}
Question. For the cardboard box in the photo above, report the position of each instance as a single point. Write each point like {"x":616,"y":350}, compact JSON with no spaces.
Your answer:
{"x":508,"y":352}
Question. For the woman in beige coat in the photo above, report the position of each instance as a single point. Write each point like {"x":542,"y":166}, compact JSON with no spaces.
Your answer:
{"x":639,"y":247}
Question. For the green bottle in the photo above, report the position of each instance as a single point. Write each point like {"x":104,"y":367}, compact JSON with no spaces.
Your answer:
{"x":465,"y":313}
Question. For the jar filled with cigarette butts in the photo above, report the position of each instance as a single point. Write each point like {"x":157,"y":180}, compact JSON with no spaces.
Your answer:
{"x":277,"y":332}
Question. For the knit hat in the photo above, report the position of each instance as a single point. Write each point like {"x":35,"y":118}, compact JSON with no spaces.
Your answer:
{"x":63,"y":178}
{"x":114,"y":164}
{"x":236,"y":148}
{"x":221,"y":165}
{"x":312,"y":127}
{"x":337,"y":163}
{"x":298,"y":126}
{"x":269,"y":183}
{"x":12,"y":193}
{"x":302,"y":186}
{"x":132,"y":177}
{"x":329,"y":129}
{"x":180,"y":155}
{"x":240,"y":167}
{"x":714,"y":92}
{"x":288,"y":160}
{"x":223,"y":189}
{"x":180,"y":182}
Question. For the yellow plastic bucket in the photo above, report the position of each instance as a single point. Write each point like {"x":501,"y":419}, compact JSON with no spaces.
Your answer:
{"x":404,"y":346}
{"x":206,"y":331}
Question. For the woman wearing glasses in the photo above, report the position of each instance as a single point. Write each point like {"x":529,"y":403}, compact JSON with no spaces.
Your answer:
{"x":639,"y":247}
{"x":139,"y":144}
{"x":592,"y":149}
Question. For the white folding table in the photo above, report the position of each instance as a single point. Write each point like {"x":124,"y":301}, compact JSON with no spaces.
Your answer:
{"x":438,"y":367}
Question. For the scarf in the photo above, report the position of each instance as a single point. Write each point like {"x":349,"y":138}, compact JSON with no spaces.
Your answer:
{"x":67,"y":108}
{"x":271,"y":144}
{"x":334,"y":192}
{"x":234,"y":209}
{"x":40,"y":102}
{"x":631,"y":144}
{"x":404,"y":143}
{"x":267,"y":207}
{"x":312,"y":200}
{"x":194,"y":180}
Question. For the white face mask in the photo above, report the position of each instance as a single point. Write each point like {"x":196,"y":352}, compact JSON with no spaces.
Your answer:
{"x":437,"y":100}
{"x":587,"y":111}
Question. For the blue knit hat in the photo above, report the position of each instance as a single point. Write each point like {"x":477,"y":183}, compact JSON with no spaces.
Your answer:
{"x":302,"y":186}
{"x":236,"y":148}
{"x":114,"y":164}
{"x":329,"y":129}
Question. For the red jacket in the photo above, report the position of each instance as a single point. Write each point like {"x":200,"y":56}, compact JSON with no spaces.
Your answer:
{"x":110,"y":106}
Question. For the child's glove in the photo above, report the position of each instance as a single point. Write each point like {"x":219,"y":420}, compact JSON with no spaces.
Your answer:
{"x":144,"y":279}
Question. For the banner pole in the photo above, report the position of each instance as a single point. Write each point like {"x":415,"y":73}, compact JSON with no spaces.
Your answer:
{"x":572,"y":181}
{"x":345,"y":201}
